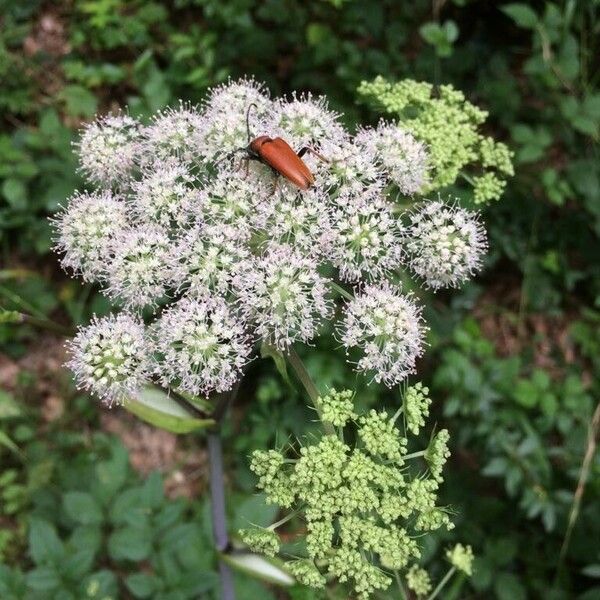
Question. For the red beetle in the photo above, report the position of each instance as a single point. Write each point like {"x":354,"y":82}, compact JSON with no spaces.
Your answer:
{"x":277,"y":154}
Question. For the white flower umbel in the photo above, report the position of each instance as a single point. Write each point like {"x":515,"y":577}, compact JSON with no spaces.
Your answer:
{"x":209,"y":256}
{"x":386,"y":327}
{"x":283,"y":295}
{"x":307,"y":121}
{"x":182,"y":211}
{"x":173,"y":133}
{"x":365,"y":242}
{"x":166,"y":195}
{"x":224,"y":127}
{"x":139,"y":273}
{"x":85,"y":230}
{"x":201,"y":346}
{"x":299,"y":219}
{"x":403,"y":158}
{"x":350,"y":169}
{"x":111,"y":357}
{"x":445,"y":244}
{"x":234,"y":199}
{"x":107,"y":149}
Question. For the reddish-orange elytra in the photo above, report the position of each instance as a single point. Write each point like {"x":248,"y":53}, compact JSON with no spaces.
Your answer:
{"x":277,"y":154}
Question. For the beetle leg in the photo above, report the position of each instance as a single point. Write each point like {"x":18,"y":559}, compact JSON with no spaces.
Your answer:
{"x":246,"y":161}
{"x":306,"y":149}
{"x":228,"y":156}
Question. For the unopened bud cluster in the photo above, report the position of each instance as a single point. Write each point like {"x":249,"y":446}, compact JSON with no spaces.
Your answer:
{"x":366,"y":500}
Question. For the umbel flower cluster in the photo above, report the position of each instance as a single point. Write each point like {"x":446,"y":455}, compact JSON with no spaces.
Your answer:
{"x":209,"y":254}
{"x":449,"y":126}
{"x":366,"y":503}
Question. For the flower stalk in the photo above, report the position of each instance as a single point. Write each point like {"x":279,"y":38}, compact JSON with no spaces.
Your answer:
{"x":309,"y":385}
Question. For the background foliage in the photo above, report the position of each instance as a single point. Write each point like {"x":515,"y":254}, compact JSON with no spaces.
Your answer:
{"x":513,"y":360}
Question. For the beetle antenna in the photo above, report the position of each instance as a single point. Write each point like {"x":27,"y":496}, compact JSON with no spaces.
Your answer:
{"x":248,"y":119}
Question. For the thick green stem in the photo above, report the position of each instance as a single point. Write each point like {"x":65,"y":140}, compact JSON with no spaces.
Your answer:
{"x":442,"y":583}
{"x":309,"y":385}
{"x":401,"y":588}
{"x":414,"y":455}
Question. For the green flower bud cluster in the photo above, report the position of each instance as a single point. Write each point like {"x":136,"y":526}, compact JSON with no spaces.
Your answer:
{"x":449,"y":126}
{"x":365,"y":508}
{"x":437,"y":454}
{"x":418,"y":580}
{"x":260,"y":540}
{"x":461,"y":557}
{"x":337,"y":408}
{"x":306,"y":573}
{"x":416,"y":407}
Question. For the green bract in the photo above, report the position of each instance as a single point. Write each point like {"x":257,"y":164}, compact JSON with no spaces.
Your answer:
{"x":366,"y":502}
{"x":449,"y":125}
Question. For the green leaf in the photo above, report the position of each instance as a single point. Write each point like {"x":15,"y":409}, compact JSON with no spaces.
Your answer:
{"x":78,"y":564}
{"x":440,"y":36}
{"x":43,"y":579}
{"x":8,"y":443}
{"x":44,"y":544}
{"x":79,"y":101}
{"x":521,"y":14}
{"x":260,"y":567}
{"x":82,"y":508}
{"x":526,"y":393}
{"x":8,"y":406}
{"x":131,"y":543}
{"x":101,"y":584}
{"x":10,"y":316}
{"x":111,"y":474}
{"x":152,"y":493}
{"x":507,"y":587}
{"x":254,"y":511}
{"x":15,"y":192}
{"x":141,"y":585}
{"x":127,"y":509}
{"x":154,"y":406}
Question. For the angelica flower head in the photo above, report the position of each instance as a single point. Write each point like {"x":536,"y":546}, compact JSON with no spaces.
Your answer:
{"x":180,"y":216}
{"x":139,"y":273}
{"x":364,"y":509}
{"x":226,"y":114}
{"x":283,"y":295}
{"x":402,"y":157}
{"x":202,"y":346}
{"x":107,"y":149}
{"x":208,"y":257}
{"x":300,"y":220}
{"x":232,"y":199}
{"x":85,"y":230}
{"x":173,"y":133}
{"x":444,"y":244}
{"x":365,"y":242}
{"x":304,"y":120}
{"x":351,"y":169}
{"x":386,"y":327}
{"x":166,"y":195}
{"x":111,"y":357}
